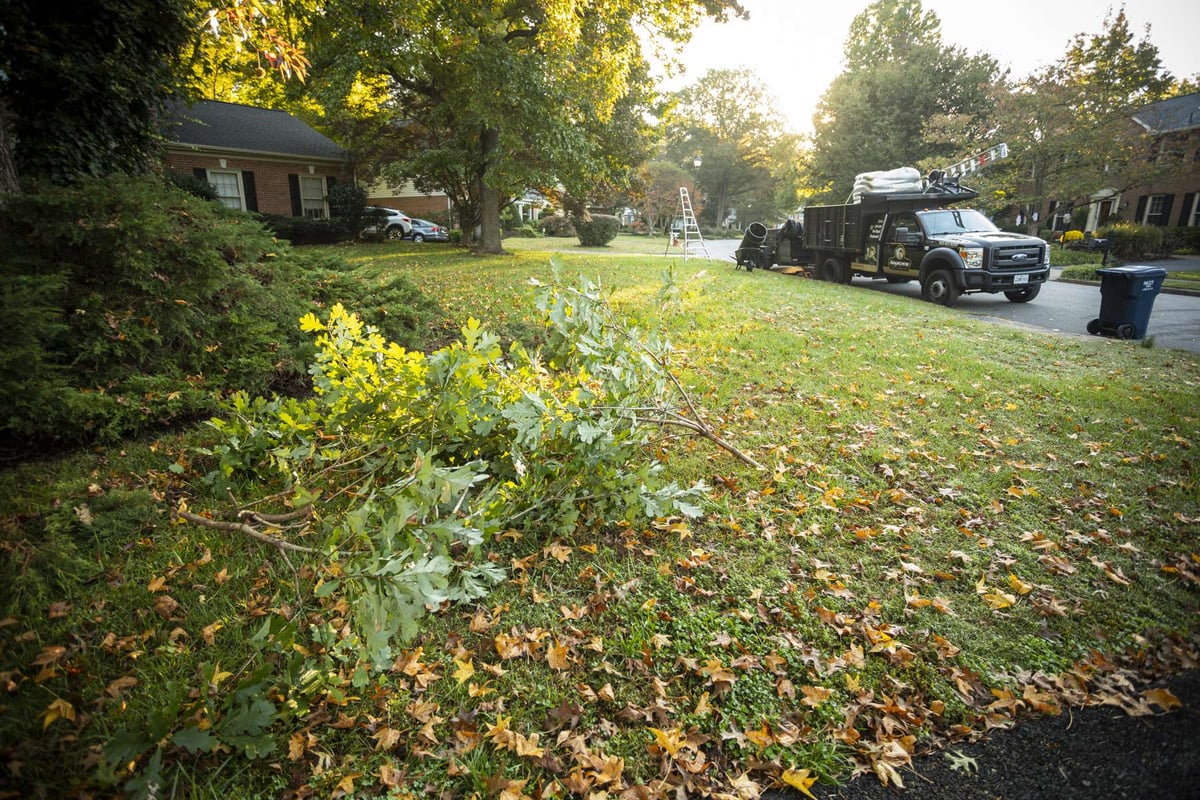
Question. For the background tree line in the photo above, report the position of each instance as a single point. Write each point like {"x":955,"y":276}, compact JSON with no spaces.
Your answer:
{"x":484,"y":101}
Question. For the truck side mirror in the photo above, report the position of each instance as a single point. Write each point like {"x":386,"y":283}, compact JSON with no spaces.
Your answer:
{"x":905,"y":236}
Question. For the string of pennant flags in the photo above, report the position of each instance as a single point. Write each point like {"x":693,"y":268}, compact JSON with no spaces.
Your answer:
{"x":977,"y":161}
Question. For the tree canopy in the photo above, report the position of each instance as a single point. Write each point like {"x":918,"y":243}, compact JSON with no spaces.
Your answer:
{"x":488,"y":99}
{"x":723,"y":118}
{"x":1069,"y":125}
{"x":899,"y":80}
{"x":80,"y":92}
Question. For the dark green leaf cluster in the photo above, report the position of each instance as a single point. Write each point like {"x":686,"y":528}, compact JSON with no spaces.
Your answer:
{"x":129,"y":305}
{"x":307,"y":230}
{"x":83,"y":90}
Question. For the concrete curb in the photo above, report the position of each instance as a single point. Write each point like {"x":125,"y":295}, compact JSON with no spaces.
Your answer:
{"x":1163,"y":290}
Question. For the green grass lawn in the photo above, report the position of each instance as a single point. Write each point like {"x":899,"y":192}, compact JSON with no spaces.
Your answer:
{"x":959,"y":525}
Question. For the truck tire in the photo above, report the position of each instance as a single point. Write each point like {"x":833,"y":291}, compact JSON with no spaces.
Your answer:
{"x":1024,"y":295}
{"x":939,"y":288}
{"x":831,"y":270}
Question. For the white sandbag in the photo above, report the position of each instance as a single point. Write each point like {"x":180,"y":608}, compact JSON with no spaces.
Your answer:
{"x":900,"y":174}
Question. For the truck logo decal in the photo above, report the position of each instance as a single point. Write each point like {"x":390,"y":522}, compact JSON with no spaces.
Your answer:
{"x":899,"y":259}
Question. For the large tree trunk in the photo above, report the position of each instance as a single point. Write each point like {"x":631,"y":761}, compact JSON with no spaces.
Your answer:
{"x":8,"y":168}
{"x":489,"y":198}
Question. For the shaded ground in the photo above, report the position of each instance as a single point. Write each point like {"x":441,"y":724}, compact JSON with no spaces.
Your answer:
{"x":1092,"y":753}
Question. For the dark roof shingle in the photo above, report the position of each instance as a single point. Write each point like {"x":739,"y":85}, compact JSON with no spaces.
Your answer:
{"x":1170,"y":116}
{"x":212,"y":123}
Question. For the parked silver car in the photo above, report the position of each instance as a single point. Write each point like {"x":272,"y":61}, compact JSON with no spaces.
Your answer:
{"x":425,"y":231}
{"x":386,"y":223}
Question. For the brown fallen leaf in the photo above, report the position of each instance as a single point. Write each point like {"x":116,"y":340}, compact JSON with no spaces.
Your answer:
{"x":1163,"y":698}
{"x":165,"y":605}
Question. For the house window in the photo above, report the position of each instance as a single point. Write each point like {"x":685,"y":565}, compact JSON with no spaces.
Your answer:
{"x":1193,"y":217}
{"x":1156,"y":209}
{"x":312,"y":197}
{"x":229,"y":188}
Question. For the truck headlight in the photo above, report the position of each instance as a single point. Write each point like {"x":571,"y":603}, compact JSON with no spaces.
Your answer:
{"x":972,"y":257}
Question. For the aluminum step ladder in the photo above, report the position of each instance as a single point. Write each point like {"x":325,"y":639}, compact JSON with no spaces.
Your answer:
{"x":693,"y":240}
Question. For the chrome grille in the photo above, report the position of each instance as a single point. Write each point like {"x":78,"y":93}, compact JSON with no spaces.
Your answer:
{"x":1017,"y":257}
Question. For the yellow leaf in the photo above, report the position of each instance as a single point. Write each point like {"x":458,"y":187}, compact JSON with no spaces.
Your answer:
{"x":671,"y":741}
{"x":209,"y":632}
{"x":345,"y":787}
{"x":998,"y":599}
{"x":296,"y":746}
{"x":310,"y":323}
{"x":800,"y":779}
{"x":465,"y":670}
{"x":761,"y":737}
{"x":157,"y":584}
{"x":59,"y":709}
{"x":1018,"y":585}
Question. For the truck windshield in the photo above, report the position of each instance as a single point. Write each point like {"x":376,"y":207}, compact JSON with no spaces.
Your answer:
{"x":951,"y":220}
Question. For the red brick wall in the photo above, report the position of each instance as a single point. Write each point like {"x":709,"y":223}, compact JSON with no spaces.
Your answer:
{"x":270,"y":177}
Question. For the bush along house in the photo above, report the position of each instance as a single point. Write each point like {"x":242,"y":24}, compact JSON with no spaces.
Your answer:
{"x":255,"y":158}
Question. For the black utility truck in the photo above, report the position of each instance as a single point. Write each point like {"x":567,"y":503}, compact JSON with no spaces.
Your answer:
{"x":901,"y":236}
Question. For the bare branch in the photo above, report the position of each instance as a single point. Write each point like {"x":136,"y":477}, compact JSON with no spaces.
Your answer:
{"x":249,"y":530}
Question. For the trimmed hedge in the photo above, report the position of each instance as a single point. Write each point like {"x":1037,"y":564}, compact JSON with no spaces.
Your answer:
{"x":306,"y":230}
{"x":597,"y":231}
{"x":1140,"y":242}
{"x":130,"y":305}
{"x":556,"y":226}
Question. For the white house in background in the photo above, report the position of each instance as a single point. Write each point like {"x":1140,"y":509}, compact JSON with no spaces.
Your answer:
{"x":531,"y":205}
{"x":408,"y":199}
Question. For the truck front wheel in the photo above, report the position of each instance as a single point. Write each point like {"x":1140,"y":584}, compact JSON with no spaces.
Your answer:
{"x":1024,"y":295}
{"x":939,"y":288}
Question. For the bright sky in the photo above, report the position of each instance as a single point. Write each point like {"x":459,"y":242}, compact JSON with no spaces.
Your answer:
{"x":795,"y":46}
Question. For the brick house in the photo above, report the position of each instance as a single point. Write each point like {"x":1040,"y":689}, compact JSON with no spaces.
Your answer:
{"x":257,"y":159}
{"x":1172,"y":199}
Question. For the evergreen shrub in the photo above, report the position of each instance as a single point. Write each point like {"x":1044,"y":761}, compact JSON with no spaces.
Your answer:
{"x":597,"y":231}
{"x":131,"y":305}
{"x":1133,"y":242}
{"x":556,"y":226}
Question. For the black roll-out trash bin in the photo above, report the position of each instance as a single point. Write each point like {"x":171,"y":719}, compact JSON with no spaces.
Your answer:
{"x":1126,"y":300}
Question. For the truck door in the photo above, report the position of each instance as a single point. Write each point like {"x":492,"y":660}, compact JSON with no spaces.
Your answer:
{"x":868,"y":262}
{"x":903,"y":248}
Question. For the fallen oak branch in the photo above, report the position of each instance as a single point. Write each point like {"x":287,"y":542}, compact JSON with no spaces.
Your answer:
{"x":249,"y":530}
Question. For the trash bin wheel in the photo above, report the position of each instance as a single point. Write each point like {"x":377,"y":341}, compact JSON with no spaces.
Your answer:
{"x":1093,"y":327}
{"x":1126,"y":331}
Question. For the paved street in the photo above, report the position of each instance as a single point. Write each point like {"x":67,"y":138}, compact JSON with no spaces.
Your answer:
{"x":1060,"y":307}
